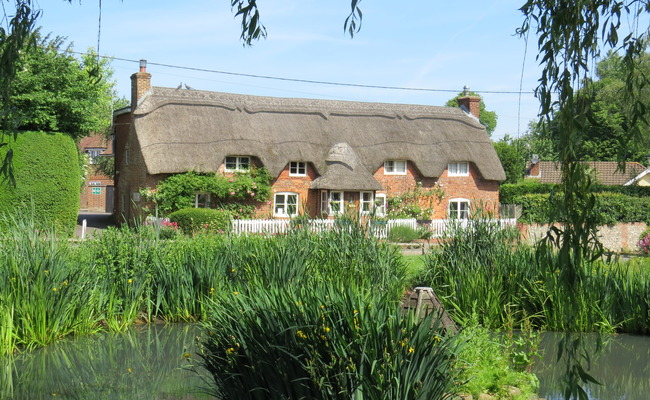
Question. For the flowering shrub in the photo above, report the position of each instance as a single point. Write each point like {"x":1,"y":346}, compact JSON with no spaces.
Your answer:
{"x":644,"y":242}
{"x":164,"y":228}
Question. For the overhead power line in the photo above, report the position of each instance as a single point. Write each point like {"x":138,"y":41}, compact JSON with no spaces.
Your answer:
{"x":277,"y":78}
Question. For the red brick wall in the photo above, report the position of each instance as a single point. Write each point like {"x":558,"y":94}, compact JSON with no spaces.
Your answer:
{"x":480,"y":192}
{"x":132,"y":176}
{"x":309,"y":199}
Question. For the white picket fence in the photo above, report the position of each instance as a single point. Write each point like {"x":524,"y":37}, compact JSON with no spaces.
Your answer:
{"x":378,"y":229}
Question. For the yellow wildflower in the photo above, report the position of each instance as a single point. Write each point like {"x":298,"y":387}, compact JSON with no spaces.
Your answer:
{"x":130,"y":281}
{"x":411,"y":350}
{"x":301,"y":335}
{"x":235,"y":293}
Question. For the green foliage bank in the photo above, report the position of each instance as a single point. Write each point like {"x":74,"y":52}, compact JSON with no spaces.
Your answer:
{"x":47,"y":177}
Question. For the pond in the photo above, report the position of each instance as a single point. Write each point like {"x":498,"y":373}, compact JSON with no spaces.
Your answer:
{"x":148,"y":362}
{"x":622,"y":366}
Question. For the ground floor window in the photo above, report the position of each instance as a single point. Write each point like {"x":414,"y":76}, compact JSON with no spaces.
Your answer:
{"x":202,"y":200}
{"x":366,"y":203}
{"x":459,"y":209}
{"x":336,"y":203}
{"x":285,"y":205}
{"x":380,"y":205}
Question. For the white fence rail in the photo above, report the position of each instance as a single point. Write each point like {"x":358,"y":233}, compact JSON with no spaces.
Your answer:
{"x":379,"y":229}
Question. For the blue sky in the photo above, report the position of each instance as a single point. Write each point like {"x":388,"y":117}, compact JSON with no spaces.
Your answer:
{"x":419,"y":44}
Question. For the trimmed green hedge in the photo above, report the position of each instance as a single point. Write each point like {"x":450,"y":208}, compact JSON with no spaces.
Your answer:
{"x":611,"y":208}
{"x":507,"y":192}
{"x":47,"y":174}
{"x":195,"y":220}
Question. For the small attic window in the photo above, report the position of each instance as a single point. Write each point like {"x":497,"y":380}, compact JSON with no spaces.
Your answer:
{"x":458,"y":169}
{"x":395,"y":167}
{"x":297,"y":168}
{"x":238,"y":163}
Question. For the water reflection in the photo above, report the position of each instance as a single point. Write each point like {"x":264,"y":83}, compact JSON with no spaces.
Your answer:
{"x":147,"y":362}
{"x":622,"y":366}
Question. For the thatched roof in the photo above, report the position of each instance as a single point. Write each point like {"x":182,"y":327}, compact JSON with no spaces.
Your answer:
{"x":181,"y":130}
{"x":345,"y":171}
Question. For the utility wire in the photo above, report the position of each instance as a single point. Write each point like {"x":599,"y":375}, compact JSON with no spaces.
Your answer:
{"x":309,"y":80}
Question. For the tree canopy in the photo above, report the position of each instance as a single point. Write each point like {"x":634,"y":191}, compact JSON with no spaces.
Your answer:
{"x":55,"y":92}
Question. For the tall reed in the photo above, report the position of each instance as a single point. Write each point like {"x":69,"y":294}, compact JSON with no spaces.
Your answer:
{"x":322,"y":342}
{"x":487,"y":271}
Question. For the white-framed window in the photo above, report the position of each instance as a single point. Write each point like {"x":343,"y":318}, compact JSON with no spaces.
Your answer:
{"x":96,"y":190}
{"x":336,"y":203}
{"x":297,"y":168}
{"x":395,"y":167}
{"x":458,"y":169}
{"x":380,"y":204}
{"x":93,"y":153}
{"x":285,"y":204}
{"x":237,"y":163}
{"x":324,"y":202}
{"x":458,"y":209}
{"x":126,"y":156}
{"x":366,"y":202}
{"x":202,"y":200}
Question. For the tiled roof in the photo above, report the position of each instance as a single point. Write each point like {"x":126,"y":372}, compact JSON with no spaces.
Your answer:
{"x":606,"y":172}
{"x":96,"y":142}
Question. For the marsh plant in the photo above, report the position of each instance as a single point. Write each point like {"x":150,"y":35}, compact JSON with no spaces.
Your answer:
{"x":485,"y":270}
{"x":324,"y":342}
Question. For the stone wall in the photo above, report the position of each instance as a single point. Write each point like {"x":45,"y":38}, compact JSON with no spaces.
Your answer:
{"x":617,"y":238}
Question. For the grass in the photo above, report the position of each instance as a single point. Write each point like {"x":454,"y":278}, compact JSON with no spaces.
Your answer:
{"x":415,"y":265}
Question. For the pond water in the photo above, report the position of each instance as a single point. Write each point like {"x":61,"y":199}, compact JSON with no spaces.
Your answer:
{"x":148,"y":362}
{"x":621,"y":365}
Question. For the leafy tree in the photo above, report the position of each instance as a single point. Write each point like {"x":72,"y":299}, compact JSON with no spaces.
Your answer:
{"x":607,"y":118}
{"x":487,"y":118}
{"x":55,"y":92}
{"x":513,"y":158}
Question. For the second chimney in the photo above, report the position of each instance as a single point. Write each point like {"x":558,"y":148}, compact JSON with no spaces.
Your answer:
{"x":470,"y":103}
{"x":140,"y":84}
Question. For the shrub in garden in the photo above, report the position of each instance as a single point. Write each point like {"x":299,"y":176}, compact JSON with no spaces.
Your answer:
{"x":403,"y":234}
{"x":194,"y":220}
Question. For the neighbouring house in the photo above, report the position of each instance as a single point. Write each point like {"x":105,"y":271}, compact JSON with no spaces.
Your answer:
{"x":324,"y":156}
{"x":606,"y":172}
{"x":98,"y":190}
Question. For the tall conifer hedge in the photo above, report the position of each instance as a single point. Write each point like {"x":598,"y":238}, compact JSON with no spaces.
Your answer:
{"x":47,"y":176}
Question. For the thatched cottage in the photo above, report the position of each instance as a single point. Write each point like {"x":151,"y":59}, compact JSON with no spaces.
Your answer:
{"x":325,"y":156}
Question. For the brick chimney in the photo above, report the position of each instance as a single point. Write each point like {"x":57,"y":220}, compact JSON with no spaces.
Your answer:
{"x":140,"y":84}
{"x":470,"y":103}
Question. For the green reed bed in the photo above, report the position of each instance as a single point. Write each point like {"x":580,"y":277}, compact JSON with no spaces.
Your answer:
{"x":324,"y":306}
{"x":486,"y":271}
{"x":51,"y":288}
{"x":324,"y":342}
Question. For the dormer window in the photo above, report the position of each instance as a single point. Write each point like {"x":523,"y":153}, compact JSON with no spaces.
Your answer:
{"x":395,"y":167}
{"x":458,"y":169}
{"x":238,"y":163}
{"x":297,"y":168}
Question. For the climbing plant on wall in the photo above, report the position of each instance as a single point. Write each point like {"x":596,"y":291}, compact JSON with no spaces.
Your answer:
{"x":237,"y":192}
